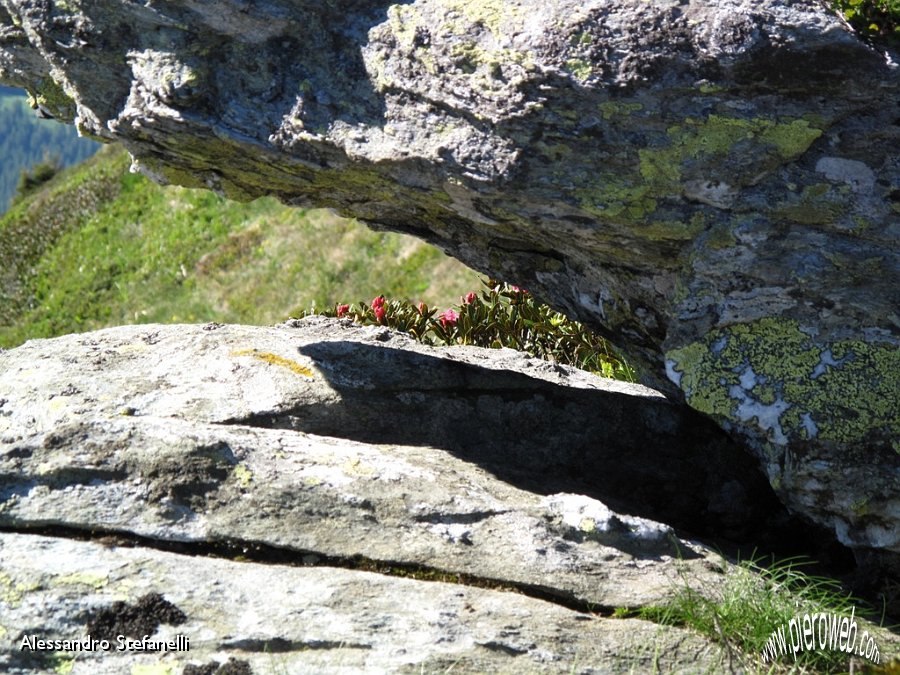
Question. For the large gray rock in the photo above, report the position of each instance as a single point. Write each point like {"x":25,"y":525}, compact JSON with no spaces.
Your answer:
{"x":190,"y":441}
{"x":319,"y":461}
{"x":191,"y":435}
{"x":539,"y":427}
{"x":286,"y":619}
{"x":714,"y":185}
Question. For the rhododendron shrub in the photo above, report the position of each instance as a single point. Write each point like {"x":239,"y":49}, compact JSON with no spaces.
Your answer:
{"x":502,"y":315}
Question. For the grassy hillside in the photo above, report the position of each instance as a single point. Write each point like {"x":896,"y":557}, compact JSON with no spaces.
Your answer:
{"x":97,"y":246}
{"x":25,"y":139}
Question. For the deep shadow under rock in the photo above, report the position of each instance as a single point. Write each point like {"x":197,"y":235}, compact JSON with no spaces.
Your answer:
{"x":642,"y":455}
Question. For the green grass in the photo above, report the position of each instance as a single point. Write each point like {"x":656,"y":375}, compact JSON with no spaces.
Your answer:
{"x":97,"y":246}
{"x":756,"y":600}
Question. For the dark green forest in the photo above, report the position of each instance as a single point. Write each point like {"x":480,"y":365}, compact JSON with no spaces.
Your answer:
{"x":26,"y":141}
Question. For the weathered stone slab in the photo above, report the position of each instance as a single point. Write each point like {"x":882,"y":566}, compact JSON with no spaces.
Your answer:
{"x":276,"y":618}
{"x":144,"y":450}
{"x":195,"y":434}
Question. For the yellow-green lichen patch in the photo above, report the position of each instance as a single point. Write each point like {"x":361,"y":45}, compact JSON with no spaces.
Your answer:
{"x":95,"y":581}
{"x":554,"y":152}
{"x":154,"y":669}
{"x":243,"y":475}
{"x":818,"y":204}
{"x":275,"y":360}
{"x":695,"y":150}
{"x":581,"y":38}
{"x":70,"y":6}
{"x":721,"y":236}
{"x":772,"y":374}
{"x":581,"y":70}
{"x":672,"y":230}
{"x":498,"y":17}
{"x":612,"y":109}
{"x":854,"y":391}
{"x":404,"y":19}
{"x":470,"y":56}
{"x":614,"y":196}
{"x":11,"y":592}
{"x":356,"y":467}
{"x":860,"y":507}
{"x":51,"y":96}
{"x":61,"y":663}
{"x":404,"y":22}
{"x":791,"y":139}
{"x":707,"y":88}
{"x":716,"y":138}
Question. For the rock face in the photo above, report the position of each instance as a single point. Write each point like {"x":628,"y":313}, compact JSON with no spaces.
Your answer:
{"x":714,"y":185}
{"x":131,"y":458}
{"x":536,"y":426}
{"x":287,"y":619}
{"x":325,"y":497}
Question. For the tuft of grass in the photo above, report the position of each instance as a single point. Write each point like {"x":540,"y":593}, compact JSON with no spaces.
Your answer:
{"x":754,"y":601}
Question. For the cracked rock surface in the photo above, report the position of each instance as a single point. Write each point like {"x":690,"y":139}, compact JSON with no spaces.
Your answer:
{"x":318,"y":450}
{"x":289,"y":619}
{"x":714,"y":185}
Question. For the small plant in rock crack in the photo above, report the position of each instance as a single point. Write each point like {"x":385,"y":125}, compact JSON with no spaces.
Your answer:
{"x":502,"y":315}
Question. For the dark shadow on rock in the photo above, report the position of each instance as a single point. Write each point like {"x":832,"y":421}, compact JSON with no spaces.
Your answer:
{"x":643,"y":456}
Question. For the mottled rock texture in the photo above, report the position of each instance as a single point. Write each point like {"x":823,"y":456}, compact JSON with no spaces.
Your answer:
{"x":128,"y":427}
{"x":295,"y":619}
{"x":714,"y":185}
{"x":323,"y":461}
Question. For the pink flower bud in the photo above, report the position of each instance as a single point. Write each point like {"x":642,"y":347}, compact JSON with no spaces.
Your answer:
{"x":469,"y":299}
{"x":448,"y":318}
{"x":422,"y":307}
{"x":378,"y":302}
{"x":379,"y":312}
{"x":342,"y":310}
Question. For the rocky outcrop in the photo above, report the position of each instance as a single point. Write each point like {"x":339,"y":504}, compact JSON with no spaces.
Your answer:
{"x":713,"y":185}
{"x":274,"y":484}
{"x":325,"y":496}
{"x":533,"y":425}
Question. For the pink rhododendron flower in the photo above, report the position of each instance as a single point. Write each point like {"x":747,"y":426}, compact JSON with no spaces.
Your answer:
{"x":448,"y":318}
{"x":378,"y":302}
{"x":342,"y":310}
{"x":379,"y":312}
{"x":469,"y":298}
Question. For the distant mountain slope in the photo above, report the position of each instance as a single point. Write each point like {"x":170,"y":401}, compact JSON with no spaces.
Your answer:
{"x":98,"y":246}
{"x":25,"y":140}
